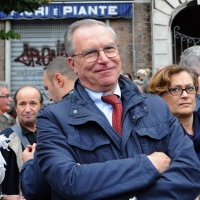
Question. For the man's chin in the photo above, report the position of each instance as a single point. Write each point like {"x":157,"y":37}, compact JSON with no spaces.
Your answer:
{"x":28,"y":122}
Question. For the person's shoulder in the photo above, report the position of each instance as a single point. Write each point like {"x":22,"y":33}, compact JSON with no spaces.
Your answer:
{"x":198,"y":97}
{"x":56,"y":106}
{"x":3,"y":118}
{"x":153,"y":97}
{"x":196,"y":122}
{"x":197,"y":113}
{"x":155,"y":100}
{"x":197,"y":100}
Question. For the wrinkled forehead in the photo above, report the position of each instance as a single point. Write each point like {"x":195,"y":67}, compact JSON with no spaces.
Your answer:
{"x":89,"y":28}
{"x":181,"y":78}
{"x":27,"y":92}
{"x":92,"y":37}
{"x":92,"y":31}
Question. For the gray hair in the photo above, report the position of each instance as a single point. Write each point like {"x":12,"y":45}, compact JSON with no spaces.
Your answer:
{"x":60,"y":65}
{"x":142,"y":72}
{"x":191,"y":58}
{"x":3,"y":84}
{"x":68,"y":38}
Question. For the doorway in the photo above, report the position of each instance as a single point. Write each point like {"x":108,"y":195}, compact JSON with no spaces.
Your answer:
{"x":185,"y":30}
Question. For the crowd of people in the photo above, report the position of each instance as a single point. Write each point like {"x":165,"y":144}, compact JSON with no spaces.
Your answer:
{"x":107,"y":136}
{"x":142,"y":79}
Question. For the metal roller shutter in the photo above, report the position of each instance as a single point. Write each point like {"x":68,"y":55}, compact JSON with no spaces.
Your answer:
{"x":42,"y":40}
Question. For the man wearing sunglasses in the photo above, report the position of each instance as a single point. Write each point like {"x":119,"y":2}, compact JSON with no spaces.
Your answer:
{"x":5,"y":102}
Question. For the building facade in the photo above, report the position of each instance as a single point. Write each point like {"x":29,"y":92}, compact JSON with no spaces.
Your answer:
{"x":174,"y":28}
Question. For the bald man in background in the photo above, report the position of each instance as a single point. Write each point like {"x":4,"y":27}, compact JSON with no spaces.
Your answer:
{"x":28,"y":100}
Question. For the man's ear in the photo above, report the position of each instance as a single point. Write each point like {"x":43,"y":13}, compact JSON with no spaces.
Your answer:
{"x":58,"y":80}
{"x":72,"y":64}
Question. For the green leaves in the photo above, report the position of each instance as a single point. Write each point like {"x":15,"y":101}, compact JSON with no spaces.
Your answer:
{"x":21,"y":5}
{"x":9,"y":35}
{"x":7,"y":6}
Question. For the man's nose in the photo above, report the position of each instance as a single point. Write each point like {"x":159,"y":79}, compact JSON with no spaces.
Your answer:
{"x":102,"y":57}
{"x":27,"y":108}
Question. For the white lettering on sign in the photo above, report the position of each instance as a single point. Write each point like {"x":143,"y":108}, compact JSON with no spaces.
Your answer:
{"x":27,"y":13}
{"x":72,"y":10}
{"x":102,"y":8}
{"x":39,"y":11}
{"x":92,"y":10}
{"x":75,"y":10}
{"x":12,"y":13}
{"x":112,"y":10}
{"x":46,"y":11}
{"x":67,"y":9}
{"x":55,"y":11}
{"x":82,"y":11}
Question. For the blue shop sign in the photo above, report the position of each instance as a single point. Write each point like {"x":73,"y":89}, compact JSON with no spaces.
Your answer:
{"x":82,"y":10}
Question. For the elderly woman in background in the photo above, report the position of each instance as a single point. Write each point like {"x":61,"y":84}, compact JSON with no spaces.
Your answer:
{"x":141,"y":74}
{"x":178,"y":86}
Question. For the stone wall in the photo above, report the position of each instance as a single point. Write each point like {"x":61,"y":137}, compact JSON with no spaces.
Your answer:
{"x":142,"y":29}
{"x":2,"y":55}
{"x":142,"y":21}
{"x":123,"y":28}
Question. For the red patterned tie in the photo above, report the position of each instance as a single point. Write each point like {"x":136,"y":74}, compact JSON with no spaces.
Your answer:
{"x":117,"y":111}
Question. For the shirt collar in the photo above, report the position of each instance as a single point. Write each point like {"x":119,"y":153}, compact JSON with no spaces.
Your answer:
{"x":25,"y":131}
{"x":70,"y":92}
{"x":96,"y":96}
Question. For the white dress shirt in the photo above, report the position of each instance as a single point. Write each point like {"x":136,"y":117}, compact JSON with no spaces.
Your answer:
{"x":104,"y":107}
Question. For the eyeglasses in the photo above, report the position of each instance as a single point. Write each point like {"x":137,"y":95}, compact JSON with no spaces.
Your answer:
{"x":6,"y":96}
{"x":93,"y":55}
{"x":175,"y":91}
